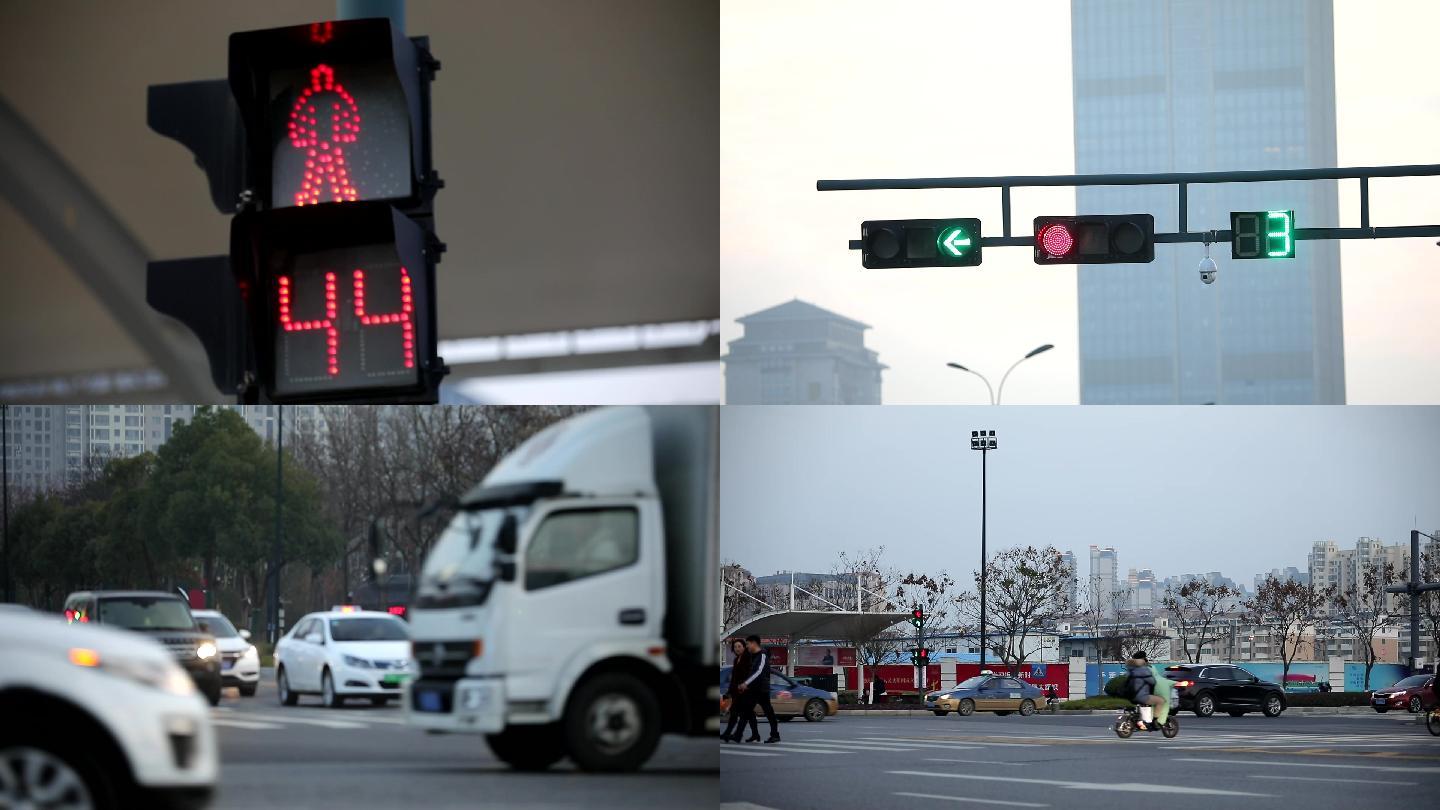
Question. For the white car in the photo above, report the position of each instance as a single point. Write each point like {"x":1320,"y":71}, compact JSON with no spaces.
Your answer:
{"x":239,"y":660}
{"x":344,"y":653}
{"x":95,"y":717}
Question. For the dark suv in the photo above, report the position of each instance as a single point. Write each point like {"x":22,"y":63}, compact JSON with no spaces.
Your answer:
{"x":162,"y":616}
{"x":1208,"y":688}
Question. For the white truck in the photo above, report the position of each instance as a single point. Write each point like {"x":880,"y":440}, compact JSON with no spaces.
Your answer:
{"x":569,"y":609}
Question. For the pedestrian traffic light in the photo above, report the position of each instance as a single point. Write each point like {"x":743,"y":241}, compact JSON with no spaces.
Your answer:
{"x":1262,"y":234}
{"x":337,"y":111}
{"x":319,"y":141}
{"x":920,"y":657}
{"x":1095,"y":239}
{"x":920,"y":243}
{"x":917,"y":618}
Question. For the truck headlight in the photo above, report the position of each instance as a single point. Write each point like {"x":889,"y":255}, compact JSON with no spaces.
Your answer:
{"x":205,"y":651}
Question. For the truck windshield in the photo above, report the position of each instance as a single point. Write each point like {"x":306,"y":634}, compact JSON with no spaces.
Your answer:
{"x":461,"y":567}
{"x":146,"y":613}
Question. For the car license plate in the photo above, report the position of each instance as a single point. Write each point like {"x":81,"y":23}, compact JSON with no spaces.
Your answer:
{"x":396,"y":677}
{"x":428,"y":701}
{"x":1379,"y":699}
{"x":227,"y":664}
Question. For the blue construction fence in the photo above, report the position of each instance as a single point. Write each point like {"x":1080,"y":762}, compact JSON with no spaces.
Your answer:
{"x":1381,"y":675}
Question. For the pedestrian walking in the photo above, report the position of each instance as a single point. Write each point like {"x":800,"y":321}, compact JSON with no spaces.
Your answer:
{"x":736,"y":726}
{"x":755,"y":689}
{"x":877,"y":692}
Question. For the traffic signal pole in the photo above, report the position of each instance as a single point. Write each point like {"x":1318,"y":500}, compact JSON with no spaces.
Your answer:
{"x":1182,"y":180}
{"x":1413,"y":589}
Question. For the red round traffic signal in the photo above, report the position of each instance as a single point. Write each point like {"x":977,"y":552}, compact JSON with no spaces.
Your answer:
{"x":1056,"y":239}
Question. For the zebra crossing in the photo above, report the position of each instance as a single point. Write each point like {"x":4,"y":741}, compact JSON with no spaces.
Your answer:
{"x":279,"y":718}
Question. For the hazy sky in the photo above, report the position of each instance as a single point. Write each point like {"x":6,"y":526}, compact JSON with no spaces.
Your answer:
{"x":833,"y":89}
{"x":1184,"y":489}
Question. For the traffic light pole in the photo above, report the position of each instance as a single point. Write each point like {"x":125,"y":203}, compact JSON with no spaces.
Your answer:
{"x":984,"y":455}
{"x":1413,"y":589}
{"x":1182,"y":180}
{"x":279,"y":505}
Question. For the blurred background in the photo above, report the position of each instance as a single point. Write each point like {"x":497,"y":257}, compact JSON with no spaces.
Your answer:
{"x":577,"y":143}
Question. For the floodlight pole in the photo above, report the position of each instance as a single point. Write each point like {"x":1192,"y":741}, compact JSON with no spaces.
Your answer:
{"x":982,"y":440}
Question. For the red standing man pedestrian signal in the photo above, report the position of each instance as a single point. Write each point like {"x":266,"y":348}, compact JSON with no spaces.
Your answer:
{"x":322,"y":140}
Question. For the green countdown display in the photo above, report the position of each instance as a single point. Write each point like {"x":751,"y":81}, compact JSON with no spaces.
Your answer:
{"x":1262,"y":234}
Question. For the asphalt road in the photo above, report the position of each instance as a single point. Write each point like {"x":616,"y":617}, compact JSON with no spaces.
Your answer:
{"x":1309,"y":762}
{"x":357,"y":757}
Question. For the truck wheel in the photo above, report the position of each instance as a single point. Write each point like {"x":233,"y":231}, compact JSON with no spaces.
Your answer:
{"x":612,"y":724}
{"x":528,"y":748}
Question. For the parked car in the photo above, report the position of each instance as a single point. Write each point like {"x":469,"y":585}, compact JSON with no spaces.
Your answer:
{"x":1208,"y":688}
{"x":1414,"y":694}
{"x":1000,"y":694}
{"x":97,"y":717}
{"x":239,"y":660}
{"x":164,"y":617}
{"x":792,"y":699}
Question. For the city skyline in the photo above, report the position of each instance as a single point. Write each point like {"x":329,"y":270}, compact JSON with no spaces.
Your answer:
{"x":1236,"y":490}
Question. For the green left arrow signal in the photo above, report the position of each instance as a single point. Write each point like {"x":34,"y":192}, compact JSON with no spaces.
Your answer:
{"x":955,"y":240}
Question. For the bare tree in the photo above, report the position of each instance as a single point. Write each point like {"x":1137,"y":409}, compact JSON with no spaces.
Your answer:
{"x":1027,"y":591}
{"x":1197,"y":608}
{"x":744,"y":598}
{"x":1364,"y":608}
{"x":1283,"y":609}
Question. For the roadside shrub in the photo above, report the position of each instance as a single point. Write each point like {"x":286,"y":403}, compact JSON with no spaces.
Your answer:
{"x":1328,"y":699}
{"x":1115,"y":687}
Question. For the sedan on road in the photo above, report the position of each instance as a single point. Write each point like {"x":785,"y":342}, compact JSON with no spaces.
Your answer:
{"x":792,"y":699}
{"x":986,"y":693}
{"x":1208,"y":688}
{"x":239,"y":660}
{"x":344,"y":653}
{"x":1414,"y":694}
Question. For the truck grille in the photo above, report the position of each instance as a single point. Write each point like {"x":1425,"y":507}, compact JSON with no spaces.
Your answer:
{"x":443,"y":660}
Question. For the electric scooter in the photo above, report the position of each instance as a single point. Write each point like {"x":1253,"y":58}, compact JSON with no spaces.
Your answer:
{"x":1127,"y":720}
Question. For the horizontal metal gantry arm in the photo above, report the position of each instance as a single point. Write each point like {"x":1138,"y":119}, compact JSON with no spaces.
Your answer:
{"x":1180,"y":179}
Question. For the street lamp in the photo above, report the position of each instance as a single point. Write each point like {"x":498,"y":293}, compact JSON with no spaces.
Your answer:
{"x":984,"y":441}
{"x":994,"y":395}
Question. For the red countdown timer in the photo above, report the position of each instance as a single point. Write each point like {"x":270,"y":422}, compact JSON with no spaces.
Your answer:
{"x":344,"y":329}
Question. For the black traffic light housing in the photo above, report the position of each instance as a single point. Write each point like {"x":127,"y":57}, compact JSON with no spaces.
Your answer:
{"x":1095,"y":239}
{"x":920,"y":657}
{"x":310,"y":192}
{"x":886,"y":243}
{"x":339,"y":302}
{"x":917,"y":618}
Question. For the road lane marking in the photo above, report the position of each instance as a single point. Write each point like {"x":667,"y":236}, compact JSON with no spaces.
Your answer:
{"x":735,"y":753}
{"x":1121,"y":787}
{"x":968,"y":799}
{"x":857,"y":746}
{"x":1390,"y":768}
{"x":743,"y":806}
{"x":920,"y":740}
{"x":306,"y":720}
{"x":980,"y":762}
{"x":1325,"y":779}
{"x":226,"y":722}
{"x":791,"y":748}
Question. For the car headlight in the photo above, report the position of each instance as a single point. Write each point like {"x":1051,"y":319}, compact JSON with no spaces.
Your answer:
{"x":352,"y":661}
{"x":205,"y":651}
{"x":163,"y":675}
{"x":250,"y":652}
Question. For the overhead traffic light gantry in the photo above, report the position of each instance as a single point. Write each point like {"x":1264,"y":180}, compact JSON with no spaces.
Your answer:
{"x":890,"y":243}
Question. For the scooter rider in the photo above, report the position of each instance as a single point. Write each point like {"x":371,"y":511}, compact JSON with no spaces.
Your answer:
{"x":1142,"y":687}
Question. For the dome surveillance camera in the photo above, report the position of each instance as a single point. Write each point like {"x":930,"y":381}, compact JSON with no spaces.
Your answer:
{"x":1208,"y":270}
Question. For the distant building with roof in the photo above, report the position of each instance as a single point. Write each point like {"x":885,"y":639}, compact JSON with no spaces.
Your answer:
{"x":800,"y":354}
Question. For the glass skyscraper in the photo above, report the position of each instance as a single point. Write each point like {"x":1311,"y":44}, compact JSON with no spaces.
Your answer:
{"x":1208,"y":85}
